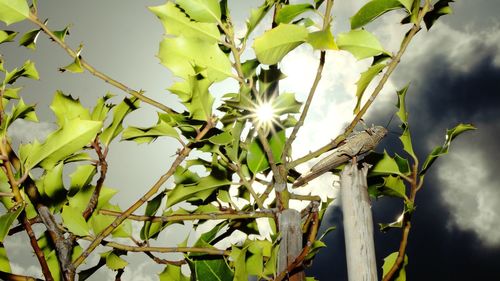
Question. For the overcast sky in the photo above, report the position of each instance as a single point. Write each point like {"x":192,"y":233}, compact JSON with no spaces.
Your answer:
{"x":453,"y":70}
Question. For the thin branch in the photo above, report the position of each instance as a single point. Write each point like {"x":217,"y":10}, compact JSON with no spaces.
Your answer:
{"x":138,"y":94}
{"x":16,"y":277}
{"x":157,"y":259}
{"x":312,"y":90}
{"x":138,"y":249}
{"x":150,"y":193}
{"x":187,"y":217}
{"x":390,"y":68}
{"x":97,"y":190}
{"x":305,"y":197}
{"x":22,"y":217}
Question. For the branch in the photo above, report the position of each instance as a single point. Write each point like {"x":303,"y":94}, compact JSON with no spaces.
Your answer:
{"x":150,"y":193}
{"x":138,"y":94}
{"x":391,"y":66}
{"x":157,"y":259}
{"x":22,"y":217}
{"x":319,"y":71}
{"x":104,"y":169}
{"x":16,"y":277}
{"x":187,"y":217}
{"x":138,"y":249}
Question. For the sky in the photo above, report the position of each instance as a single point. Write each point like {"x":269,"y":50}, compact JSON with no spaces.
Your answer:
{"x":453,"y":71}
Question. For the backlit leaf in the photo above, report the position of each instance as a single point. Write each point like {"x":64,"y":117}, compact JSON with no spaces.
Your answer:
{"x":173,"y":272}
{"x":221,"y":139}
{"x":214,"y":269}
{"x":7,"y":36}
{"x":199,"y":191}
{"x":257,"y":157}
{"x":364,"y":80}
{"x":441,"y":150}
{"x":147,"y":135}
{"x":28,"y":40}
{"x":119,"y":113}
{"x":4,"y":260}
{"x":74,"y":221}
{"x":177,"y":23}
{"x":12,"y":11}
{"x":6,"y":221}
{"x":274,"y":44}
{"x":201,"y":10}
{"x":182,"y":54}
{"x":256,"y":16}
{"x":114,"y":262}
{"x":288,"y":12}
{"x":67,"y":140}
{"x":389,"y":262}
{"x":441,"y":8}
{"x":65,"y":107}
{"x":373,"y":10}
{"x":360,"y":43}
{"x":322,"y":40}
{"x":387,"y":165}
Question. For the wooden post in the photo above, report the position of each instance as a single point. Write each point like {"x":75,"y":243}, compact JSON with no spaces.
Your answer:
{"x":358,"y":224}
{"x":291,"y":242}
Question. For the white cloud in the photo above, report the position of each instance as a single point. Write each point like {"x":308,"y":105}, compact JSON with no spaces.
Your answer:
{"x":26,"y":131}
{"x":471,"y":193}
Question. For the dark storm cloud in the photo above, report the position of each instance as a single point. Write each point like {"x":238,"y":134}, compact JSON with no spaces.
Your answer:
{"x":439,"y":97}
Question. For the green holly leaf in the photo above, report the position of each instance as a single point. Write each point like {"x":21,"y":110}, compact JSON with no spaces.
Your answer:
{"x":288,"y":12}
{"x":4,"y":260}
{"x":52,"y":182}
{"x":257,"y":157}
{"x":222,"y":138}
{"x":61,"y":34}
{"x":386,"y":165}
{"x":172,"y":272}
{"x":177,"y":23}
{"x":274,"y":44}
{"x":322,"y":40}
{"x":12,"y":11}
{"x":212,"y":269}
{"x":7,"y":36}
{"x":119,"y":113}
{"x":407,"y":4}
{"x":152,"y":207}
{"x":6,"y":221}
{"x":114,"y":262}
{"x":149,"y":134}
{"x":101,"y":109}
{"x":256,"y":16}
{"x":394,"y":186}
{"x":442,"y":150}
{"x":28,"y":70}
{"x":286,"y":103}
{"x":373,"y":10}
{"x":198,"y":191}
{"x":182,"y":54}
{"x":74,"y":221}
{"x":28,"y":40}
{"x":440,"y":8}
{"x":364,"y":80}
{"x":65,"y":108}
{"x":202,"y":10}
{"x":100,"y":222}
{"x":360,"y":43}
{"x":70,"y":138}
{"x":76,"y":65}
{"x":389,"y":262}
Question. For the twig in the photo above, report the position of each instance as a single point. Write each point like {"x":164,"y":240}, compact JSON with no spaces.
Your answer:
{"x":186,"y":217}
{"x":152,"y":191}
{"x":97,"y":190}
{"x":22,"y":217}
{"x":129,"y":248}
{"x":138,"y":94}
{"x":119,"y":273}
{"x":305,"y":197}
{"x":319,"y":71}
{"x":16,"y":277}
{"x":157,"y":259}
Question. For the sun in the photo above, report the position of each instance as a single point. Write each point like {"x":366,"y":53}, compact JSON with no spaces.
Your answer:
{"x":265,"y":113}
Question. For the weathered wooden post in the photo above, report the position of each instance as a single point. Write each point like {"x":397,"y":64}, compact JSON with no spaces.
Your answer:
{"x":291,"y":242}
{"x":358,"y":224}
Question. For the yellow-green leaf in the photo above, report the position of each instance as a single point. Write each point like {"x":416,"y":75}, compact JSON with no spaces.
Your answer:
{"x":6,"y":221}
{"x":12,"y":11}
{"x":7,"y":36}
{"x":114,"y":262}
{"x":65,"y":107}
{"x":373,"y":10}
{"x":274,"y":44}
{"x":360,"y":43}
{"x":201,"y":10}
{"x":67,"y":140}
{"x":74,"y":221}
{"x":389,"y":262}
{"x":364,"y":80}
{"x":322,"y":40}
{"x":257,"y":157}
{"x":288,"y":12}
